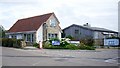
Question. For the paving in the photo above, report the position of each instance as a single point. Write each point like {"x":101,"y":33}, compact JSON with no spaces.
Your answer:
{"x":59,"y":57}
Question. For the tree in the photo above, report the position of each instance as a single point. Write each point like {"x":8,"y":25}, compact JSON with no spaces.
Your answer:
{"x":87,"y":41}
{"x":2,"y":32}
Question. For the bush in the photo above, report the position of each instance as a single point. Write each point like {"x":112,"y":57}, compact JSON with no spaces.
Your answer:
{"x":65,"y":45}
{"x":53,"y":39}
{"x":82,"y":46}
{"x":17,"y":43}
{"x":70,"y":37}
{"x":7,"y":42}
{"x":85,"y":47}
{"x":71,"y":46}
{"x":64,"y":42}
{"x":36,"y":45}
{"x":56,"y":47}
{"x":46,"y":44}
{"x":10,"y":42}
{"x":87,"y":41}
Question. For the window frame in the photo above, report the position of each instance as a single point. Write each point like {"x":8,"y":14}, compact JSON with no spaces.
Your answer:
{"x":77,"y":31}
{"x":53,"y":22}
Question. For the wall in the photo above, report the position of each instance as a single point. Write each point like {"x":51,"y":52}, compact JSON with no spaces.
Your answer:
{"x":59,"y":35}
{"x":39,"y":34}
{"x":53,"y":30}
{"x":82,"y":32}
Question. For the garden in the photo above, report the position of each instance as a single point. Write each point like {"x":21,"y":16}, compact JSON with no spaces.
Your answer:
{"x":86,"y":44}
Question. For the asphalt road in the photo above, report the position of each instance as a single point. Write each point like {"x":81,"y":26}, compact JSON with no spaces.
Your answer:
{"x":49,"y":57}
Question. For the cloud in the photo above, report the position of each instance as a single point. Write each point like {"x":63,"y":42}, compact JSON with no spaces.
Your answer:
{"x":95,"y":12}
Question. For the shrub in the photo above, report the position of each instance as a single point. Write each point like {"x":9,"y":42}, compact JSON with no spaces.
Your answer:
{"x":63,"y":42}
{"x":11,"y":42}
{"x":84,"y":47}
{"x":56,"y":47}
{"x":36,"y":45}
{"x":70,"y":37}
{"x":7,"y":42}
{"x":4,"y":42}
{"x":87,"y":41}
{"x":18,"y":43}
{"x":46,"y":44}
{"x":71,"y":46}
{"x":65,"y":45}
{"x":53,"y":39}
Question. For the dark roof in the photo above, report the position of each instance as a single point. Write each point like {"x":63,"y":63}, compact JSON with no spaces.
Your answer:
{"x":30,"y":24}
{"x":92,"y":28}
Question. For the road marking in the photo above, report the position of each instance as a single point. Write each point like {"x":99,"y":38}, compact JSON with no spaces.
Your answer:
{"x":35,"y":64}
{"x":113,"y":60}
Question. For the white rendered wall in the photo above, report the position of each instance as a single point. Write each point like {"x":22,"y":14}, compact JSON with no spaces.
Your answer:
{"x":59,"y":35}
{"x":39,"y":34}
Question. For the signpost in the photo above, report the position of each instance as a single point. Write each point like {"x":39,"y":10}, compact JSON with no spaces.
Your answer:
{"x":55,"y":42}
{"x":111,"y":42}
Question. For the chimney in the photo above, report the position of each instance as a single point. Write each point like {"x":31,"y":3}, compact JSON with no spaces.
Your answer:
{"x":88,"y":25}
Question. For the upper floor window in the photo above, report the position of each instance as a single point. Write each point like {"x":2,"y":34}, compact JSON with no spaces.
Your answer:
{"x":76,"y":31}
{"x":53,"y":22}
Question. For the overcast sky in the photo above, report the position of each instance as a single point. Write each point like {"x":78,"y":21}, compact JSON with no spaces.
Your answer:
{"x":98,"y":13}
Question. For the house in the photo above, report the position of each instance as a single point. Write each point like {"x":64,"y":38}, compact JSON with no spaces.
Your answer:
{"x":79,"y":32}
{"x":36,"y":29}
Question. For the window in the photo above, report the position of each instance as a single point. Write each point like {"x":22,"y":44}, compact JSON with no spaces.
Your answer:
{"x":96,"y":35}
{"x":28,"y":37}
{"x":55,"y":35}
{"x":14,"y":36}
{"x":32,"y":37}
{"x":76,"y":31}
{"x":50,"y":35}
{"x":53,"y":22}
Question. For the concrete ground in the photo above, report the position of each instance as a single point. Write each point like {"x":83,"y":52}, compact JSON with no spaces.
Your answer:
{"x":56,"y":57}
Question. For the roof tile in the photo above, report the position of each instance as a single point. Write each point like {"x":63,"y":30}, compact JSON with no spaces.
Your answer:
{"x":29,"y":24}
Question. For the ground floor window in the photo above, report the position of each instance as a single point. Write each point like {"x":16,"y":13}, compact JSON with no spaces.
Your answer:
{"x":29,"y":37}
{"x":51,"y":35}
{"x":13,"y":36}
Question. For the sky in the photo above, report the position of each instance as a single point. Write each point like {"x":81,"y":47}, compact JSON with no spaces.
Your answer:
{"x":98,"y":13}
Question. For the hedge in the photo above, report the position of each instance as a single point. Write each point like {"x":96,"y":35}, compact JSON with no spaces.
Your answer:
{"x":11,"y":42}
{"x":86,"y":47}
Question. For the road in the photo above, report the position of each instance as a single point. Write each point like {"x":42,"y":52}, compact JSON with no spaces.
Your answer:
{"x":49,"y":57}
